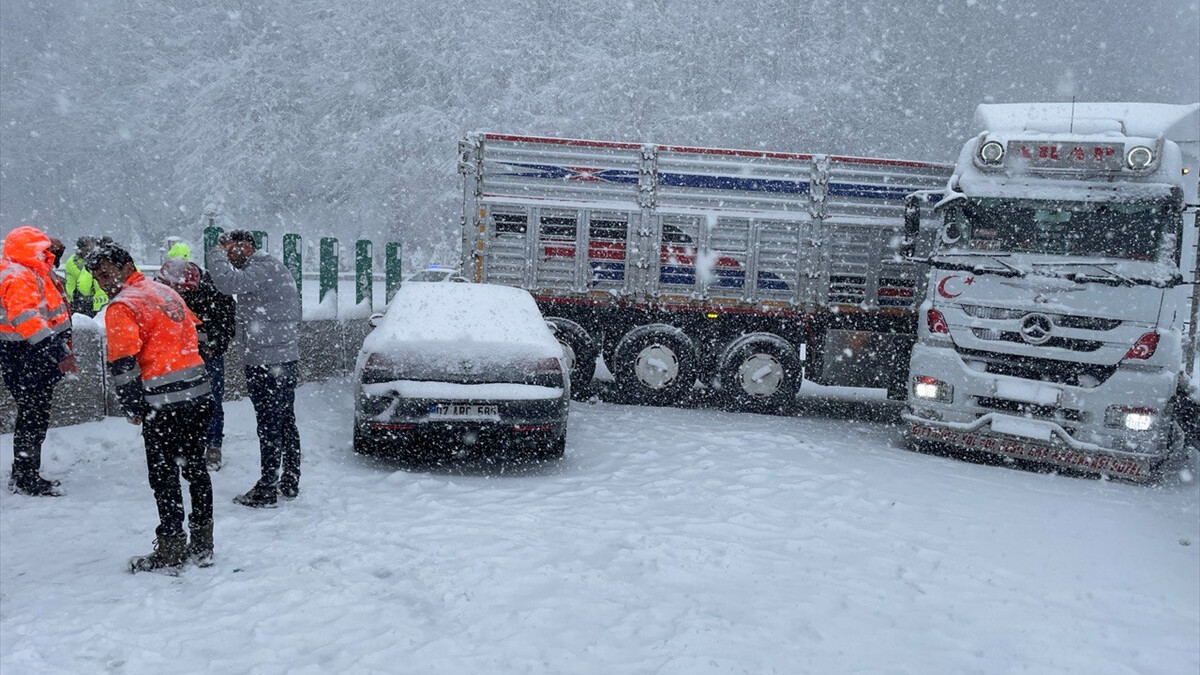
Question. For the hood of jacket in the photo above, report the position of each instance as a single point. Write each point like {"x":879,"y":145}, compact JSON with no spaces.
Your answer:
{"x":30,"y":247}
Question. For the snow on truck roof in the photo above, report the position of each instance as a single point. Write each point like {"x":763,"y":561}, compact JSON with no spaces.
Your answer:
{"x":1150,"y":120}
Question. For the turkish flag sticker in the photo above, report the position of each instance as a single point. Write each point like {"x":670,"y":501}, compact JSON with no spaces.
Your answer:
{"x":946,"y":288}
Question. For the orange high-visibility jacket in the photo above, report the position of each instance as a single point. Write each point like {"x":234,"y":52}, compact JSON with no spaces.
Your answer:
{"x":31,"y":306}
{"x":153,"y":349}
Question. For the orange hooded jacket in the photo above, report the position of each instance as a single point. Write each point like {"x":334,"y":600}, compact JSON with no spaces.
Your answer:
{"x":31,"y":307}
{"x":152,"y":338}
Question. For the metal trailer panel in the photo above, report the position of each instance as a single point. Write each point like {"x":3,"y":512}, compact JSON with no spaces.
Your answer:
{"x":714,"y":226}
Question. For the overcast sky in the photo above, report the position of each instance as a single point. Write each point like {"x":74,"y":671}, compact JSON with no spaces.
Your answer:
{"x":129,"y":117}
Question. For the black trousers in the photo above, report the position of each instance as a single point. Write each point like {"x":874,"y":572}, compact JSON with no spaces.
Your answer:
{"x":273,"y":394}
{"x":174,"y":440}
{"x":33,"y":418}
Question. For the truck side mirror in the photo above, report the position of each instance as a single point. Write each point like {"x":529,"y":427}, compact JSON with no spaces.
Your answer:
{"x":912,"y":224}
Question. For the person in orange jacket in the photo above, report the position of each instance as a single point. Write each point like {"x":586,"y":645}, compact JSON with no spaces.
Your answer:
{"x":161,"y":382}
{"x":35,"y":350}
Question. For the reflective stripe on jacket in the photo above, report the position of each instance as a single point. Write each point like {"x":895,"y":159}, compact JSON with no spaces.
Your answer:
{"x":153,"y":349}
{"x":31,"y":307}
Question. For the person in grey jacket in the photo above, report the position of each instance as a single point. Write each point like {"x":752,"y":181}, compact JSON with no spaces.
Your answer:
{"x":268,"y":318}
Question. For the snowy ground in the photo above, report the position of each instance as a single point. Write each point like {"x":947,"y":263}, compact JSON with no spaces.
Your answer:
{"x":667,"y":541}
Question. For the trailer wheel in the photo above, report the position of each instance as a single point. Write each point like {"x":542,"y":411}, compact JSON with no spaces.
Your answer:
{"x":580,"y":351}
{"x":656,"y":364}
{"x":760,"y":372}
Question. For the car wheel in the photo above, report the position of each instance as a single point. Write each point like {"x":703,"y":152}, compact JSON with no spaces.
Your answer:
{"x":580,"y":351}
{"x":363,"y":443}
{"x":760,"y":372}
{"x":556,"y":448}
{"x":656,"y":364}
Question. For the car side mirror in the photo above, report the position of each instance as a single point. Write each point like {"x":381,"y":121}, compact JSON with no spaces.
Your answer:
{"x":374,"y":320}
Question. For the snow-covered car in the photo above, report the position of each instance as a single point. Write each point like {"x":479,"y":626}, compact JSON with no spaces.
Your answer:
{"x":437,"y":275}
{"x":461,"y":369}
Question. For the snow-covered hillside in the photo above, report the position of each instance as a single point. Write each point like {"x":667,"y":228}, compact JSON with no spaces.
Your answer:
{"x":667,"y":541}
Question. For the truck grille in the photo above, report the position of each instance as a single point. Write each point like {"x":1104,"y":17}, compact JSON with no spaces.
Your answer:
{"x":1061,"y":320}
{"x":1041,"y":370}
{"x":1073,"y":344}
{"x":1040,"y":412}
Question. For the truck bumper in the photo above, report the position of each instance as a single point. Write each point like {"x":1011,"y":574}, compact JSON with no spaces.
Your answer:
{"x":1042,"y":422}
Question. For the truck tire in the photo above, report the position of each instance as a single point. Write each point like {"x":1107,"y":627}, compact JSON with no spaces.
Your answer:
{"x":581,"y":351}
{"x":655,"y":364}
{"x":760,"y":372}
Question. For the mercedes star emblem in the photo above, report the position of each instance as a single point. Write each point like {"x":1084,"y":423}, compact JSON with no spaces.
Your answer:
{"x":1035,"y":328}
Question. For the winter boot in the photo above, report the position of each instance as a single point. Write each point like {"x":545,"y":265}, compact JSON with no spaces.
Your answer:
{"x":170,"y":553}
{"x":262,"y":496}
{"x":34,"y":487}
{"x":289,"y":486}
{"x":212,"y":457}
{"x":200,"y":548}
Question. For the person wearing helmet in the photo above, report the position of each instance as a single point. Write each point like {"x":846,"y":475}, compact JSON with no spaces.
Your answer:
{"x":179,"y":250}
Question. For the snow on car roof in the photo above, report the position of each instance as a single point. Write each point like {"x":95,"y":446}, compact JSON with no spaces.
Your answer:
{"x":463,"y":314}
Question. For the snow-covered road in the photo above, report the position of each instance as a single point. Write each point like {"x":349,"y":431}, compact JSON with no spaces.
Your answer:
{"x":667,"y":541}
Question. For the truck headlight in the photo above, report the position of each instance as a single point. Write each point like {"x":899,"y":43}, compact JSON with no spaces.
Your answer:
{"x":991,"y":153}
{"x":1130,"y":418}
{"x":1139,"y":157}
{"x":932,"y":389}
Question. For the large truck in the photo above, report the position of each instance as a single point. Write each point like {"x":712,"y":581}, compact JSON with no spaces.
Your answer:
{"x":1059,"y":323}
{"x":742,"y":269}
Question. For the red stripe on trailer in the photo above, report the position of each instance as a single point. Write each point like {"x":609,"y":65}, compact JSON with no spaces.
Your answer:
{"x":562,"y":141}
{"x":735,"y":153}
{"x":764,"y":154}
{"x":889,"y":162}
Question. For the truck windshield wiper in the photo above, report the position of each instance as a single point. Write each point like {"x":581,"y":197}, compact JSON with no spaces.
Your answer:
{"x":1112,"y":275}
{"x":1009,"y":270}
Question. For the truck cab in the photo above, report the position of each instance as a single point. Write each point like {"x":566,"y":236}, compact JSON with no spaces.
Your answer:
{"x":1059,"y":321}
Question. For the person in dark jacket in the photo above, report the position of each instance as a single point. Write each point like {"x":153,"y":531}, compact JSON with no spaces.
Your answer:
{"x":268,"y":318}
{"x":216,"y":312}
{"x":35,"y":350}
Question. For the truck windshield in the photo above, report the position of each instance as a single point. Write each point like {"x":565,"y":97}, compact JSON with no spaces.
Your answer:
{"x":1130,"y":230}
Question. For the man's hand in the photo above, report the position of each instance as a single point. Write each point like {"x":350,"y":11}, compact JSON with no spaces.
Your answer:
{"x":135,"y":420}
{"x":68,"y":366}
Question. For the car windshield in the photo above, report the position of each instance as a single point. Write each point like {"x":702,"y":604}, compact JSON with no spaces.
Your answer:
{"x":1130,"y":230}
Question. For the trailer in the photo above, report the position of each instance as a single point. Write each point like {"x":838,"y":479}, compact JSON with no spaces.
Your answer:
{"x":1060,"y":322}
{"x":744,"y":270}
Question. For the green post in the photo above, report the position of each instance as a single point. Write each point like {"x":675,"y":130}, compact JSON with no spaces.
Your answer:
{"x":391,"y":262}
{"x":363,"y":279}
{"x":260,"y":239}
{"x":329,"y":267}
{"x":211,"y":233}
{"x":293,"y":259}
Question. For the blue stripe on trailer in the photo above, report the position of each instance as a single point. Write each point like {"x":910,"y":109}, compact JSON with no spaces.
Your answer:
{"x":694,"y":180}
{"x":707,"y":182}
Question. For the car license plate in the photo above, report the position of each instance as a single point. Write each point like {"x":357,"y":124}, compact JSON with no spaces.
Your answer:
{"x":463,"y":410}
